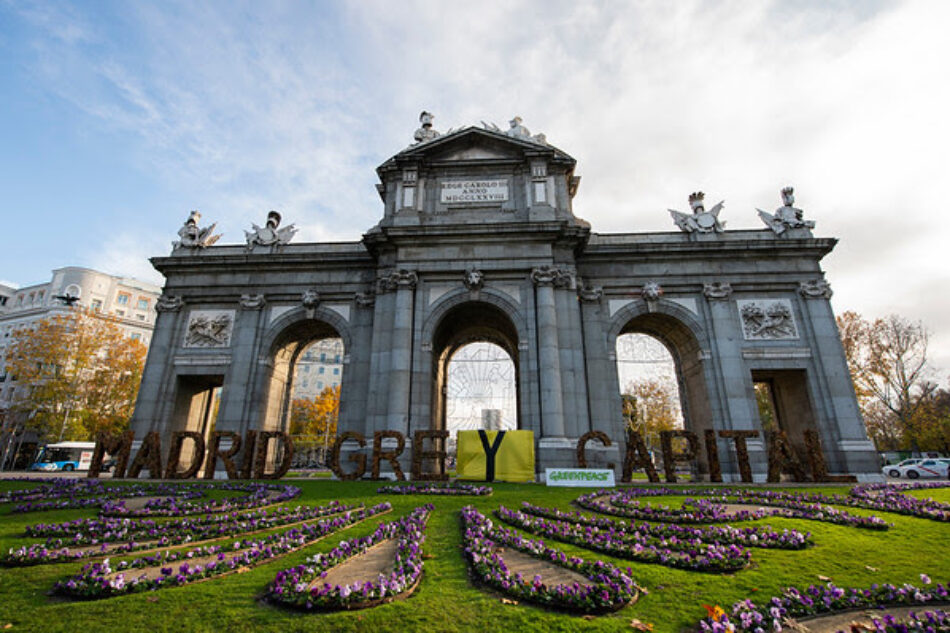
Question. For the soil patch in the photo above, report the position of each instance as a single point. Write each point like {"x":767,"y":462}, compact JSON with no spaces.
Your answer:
{"x":367,"y":566}
{"x":529,"y":567}
{"x":842,"y":621}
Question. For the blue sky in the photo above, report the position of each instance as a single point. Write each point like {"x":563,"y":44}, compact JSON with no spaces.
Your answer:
{"x":117,"y":118}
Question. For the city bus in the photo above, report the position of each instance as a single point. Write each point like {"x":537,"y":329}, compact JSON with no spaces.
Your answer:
{"x":65,"y":456}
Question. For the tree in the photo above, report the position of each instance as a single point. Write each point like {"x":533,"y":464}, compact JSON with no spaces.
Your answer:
{"x":888,"y":362}
{"x":316,"y":418}
{"x":77,"y":374}
{"x":651,"y":405}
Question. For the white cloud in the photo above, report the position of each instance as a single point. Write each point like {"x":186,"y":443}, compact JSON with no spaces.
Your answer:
{"x":252,"y":107}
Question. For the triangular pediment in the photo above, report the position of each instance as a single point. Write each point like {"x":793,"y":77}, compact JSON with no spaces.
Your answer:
{"x":474,"y":144}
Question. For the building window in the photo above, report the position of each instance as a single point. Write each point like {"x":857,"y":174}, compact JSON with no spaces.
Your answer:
{"x":120,"y":312}
{"x":136,"y":336}
{"x":122,"y":299}
{"x":96,"y":304}
{"x":321,"y":370}
{"x":142,"y":304}
{"x":140,"y":317}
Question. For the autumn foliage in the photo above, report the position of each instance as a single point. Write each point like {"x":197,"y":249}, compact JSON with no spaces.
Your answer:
{"x":77,"y":374}
{"x":902,"y":407}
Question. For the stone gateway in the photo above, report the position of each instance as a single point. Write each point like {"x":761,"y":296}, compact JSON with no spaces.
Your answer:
{"x":478,"y":241}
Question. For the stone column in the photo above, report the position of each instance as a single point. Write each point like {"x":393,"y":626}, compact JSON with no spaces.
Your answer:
{"x":152,"y":406}
{"x":846,"y":446}
{"x":552,"y":406}
{"x":397,"y":411}
{"x":734,"y":377}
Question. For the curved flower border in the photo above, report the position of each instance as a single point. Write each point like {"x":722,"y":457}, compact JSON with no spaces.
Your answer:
{"x":456,"y":489}
{"x":624,"y":503}
{"x":610,"y":589}
{"x":292,"y":587}
{"x":760,"y":536}
{"x":746,"y":616}
{"x":119,"y":536}
{"x":690,"y":554}
{"x":92,"y":582}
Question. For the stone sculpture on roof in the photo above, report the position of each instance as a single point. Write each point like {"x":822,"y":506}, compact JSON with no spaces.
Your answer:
{"x":786,"y":216}
{"x":193,"y":236}
{"x":269,"y":234}
{"x":425,"y":133}
{"x":701,"y":221}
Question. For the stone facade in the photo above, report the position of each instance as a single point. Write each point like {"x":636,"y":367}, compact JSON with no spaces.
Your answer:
{"x":479,"y":242}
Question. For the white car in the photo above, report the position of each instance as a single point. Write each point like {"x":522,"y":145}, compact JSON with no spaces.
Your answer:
{"x":926,"y":468}
{"x":895,"y":470}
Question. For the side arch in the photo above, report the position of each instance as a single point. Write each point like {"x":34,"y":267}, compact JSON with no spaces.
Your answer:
{"x":294,"y":321}
{"x":281,"y":344}
{"x":688,"y":342}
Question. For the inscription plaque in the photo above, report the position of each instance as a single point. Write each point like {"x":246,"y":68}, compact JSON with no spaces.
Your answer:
{"x":457,"y":191}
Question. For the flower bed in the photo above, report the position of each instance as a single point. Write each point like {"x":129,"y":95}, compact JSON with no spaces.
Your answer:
{"x":257,"y":495}
{"x":610,"y":588}
{"x":299,"y":586}
{"x":691,"y":554}
{"x":819,"y":600}
{"x":120,"y":536}
{"x":459,"y":489}
{"x":624,"y":503}
{"x":924,"y":622}
{"x":99,"y":580}
{"x":763,"y":537}
{"x":74,"y":494}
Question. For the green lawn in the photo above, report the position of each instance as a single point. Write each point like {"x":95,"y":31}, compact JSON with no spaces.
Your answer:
{"x":446,"y":599}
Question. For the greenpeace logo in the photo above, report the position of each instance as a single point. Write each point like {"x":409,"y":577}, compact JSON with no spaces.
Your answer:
{"x":579,"y":477}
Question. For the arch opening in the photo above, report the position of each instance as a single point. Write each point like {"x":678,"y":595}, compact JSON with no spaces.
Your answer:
{"x":475,"y":372}
{"x":662,"y":382}
{"x":305,"y":390}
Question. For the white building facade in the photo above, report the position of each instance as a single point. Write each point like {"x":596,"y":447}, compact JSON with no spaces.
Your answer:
{"x":130,"y":301}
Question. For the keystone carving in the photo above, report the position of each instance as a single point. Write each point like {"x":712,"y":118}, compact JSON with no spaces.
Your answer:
{"x":310,"y":299}
{"x":651,"y":291}
{"x":474,"y":279}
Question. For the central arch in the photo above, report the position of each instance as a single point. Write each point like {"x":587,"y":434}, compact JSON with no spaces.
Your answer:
{"x":469,"y":322}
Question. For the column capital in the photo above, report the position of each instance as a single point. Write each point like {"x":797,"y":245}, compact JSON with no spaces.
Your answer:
{"x":815,"y":289}
{"x":169,"y":303}
{"x":252,"y":302}
{"x":553,"y":276}
{"x":397,"y":279}
{"x":717,"y":290}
